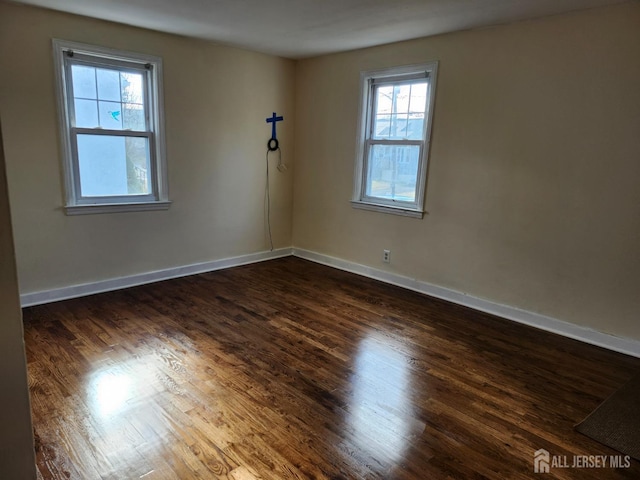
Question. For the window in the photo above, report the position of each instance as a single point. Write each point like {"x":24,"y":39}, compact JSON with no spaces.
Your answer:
{"x":395,"y":126}
{"x":110,"y":106}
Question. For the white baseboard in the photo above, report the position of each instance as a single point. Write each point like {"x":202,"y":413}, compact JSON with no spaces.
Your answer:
{"x":74,"y":291}
{"x":623,"y":345}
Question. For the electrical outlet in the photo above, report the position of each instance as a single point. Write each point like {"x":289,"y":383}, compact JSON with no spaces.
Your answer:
{"x":386,"y":256}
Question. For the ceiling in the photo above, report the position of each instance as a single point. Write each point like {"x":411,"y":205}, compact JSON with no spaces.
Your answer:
{"x":306,"y":28}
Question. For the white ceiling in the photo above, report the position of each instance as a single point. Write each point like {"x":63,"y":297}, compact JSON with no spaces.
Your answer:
{"x":305,"y":28}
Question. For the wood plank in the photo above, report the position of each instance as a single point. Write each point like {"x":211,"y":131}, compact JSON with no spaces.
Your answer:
{"x":291,"y":370}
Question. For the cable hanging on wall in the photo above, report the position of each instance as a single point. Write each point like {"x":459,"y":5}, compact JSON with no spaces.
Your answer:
{"x":273,"y":145}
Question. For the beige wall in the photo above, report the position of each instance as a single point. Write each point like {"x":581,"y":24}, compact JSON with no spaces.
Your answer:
{"x":217,"y":99}
{"x":17,"y":459}
{"x":533,"y":192}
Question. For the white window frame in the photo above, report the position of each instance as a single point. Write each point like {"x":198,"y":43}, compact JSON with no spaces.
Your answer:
{"x":365,"y":128}
{"x":67,"y":53}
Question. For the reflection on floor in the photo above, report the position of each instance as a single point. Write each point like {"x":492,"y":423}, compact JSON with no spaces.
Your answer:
{"x":381,"y":414}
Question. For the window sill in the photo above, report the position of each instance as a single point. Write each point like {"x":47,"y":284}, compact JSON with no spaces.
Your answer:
{"x":376,"y":207}
{"x":95,"y":208}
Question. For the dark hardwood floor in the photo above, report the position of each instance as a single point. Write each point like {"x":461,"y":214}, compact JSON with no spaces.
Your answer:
{"x":287,"y":369}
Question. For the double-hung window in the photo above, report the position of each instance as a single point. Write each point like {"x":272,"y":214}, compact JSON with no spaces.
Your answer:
{"x":110,"y":106}
{"x":393,"y":148}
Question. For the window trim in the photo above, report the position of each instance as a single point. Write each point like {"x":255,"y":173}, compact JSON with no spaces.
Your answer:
{"x":368,"y":79}
{"x":75,"y":204}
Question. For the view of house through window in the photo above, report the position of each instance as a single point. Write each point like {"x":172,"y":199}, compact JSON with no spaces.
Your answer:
{"x":399,"y":115}
{"x":393,"y":147}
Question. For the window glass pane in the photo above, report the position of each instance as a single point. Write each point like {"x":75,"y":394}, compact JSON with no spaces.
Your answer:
{"x":138,"y":166}
{"x":131,"y":87}
{"x":133,"y":117}
{"x":110,"y":115}
{"x":86,"y":112}
{"x":399,"y":125}
{"x":382,"y":126}
{"x":384,"y":96}
{"x":108,"y":84}
{"x":84,"y":81}
{"x":402,"y":95}
{"x":392,"y":172}
{"x":113,"y":166}
{"x":418,"y":101}
{"x":415,"y":126}
{"x":120,"y":95}
{"x":382,"y":116}
{"x":400,"y":111}
{"x":133,"y":97}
